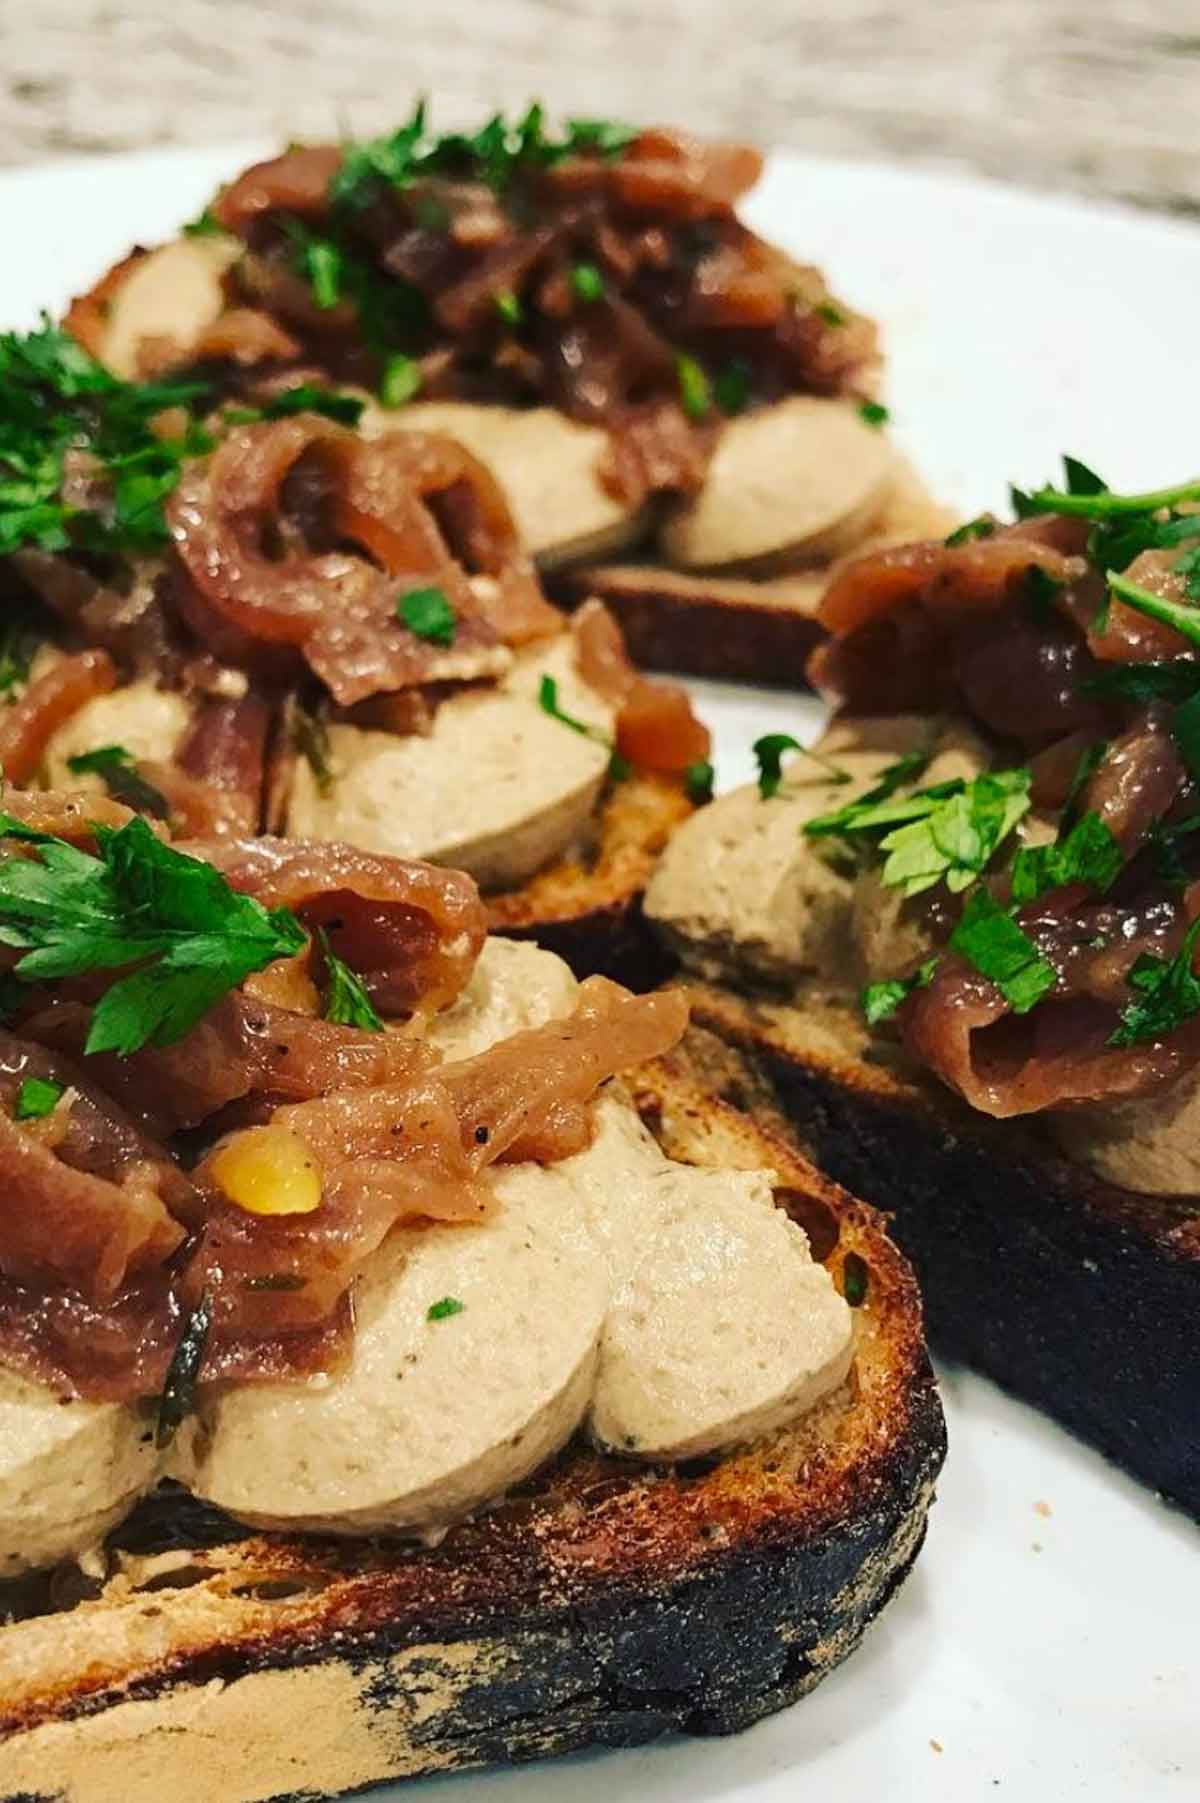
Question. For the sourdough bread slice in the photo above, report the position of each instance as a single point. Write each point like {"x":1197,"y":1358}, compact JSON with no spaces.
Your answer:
{"x":1082,"y":1298}
{"x":604,"y":1604}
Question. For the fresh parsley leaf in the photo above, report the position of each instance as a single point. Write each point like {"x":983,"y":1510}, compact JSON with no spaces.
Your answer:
{"x":1088,"y":854}
{"x":205,"y":225}
{"x":320,"y":262}
{"x":400,"y":381}
{"x":1086,"y":496}
{"x":1163,"y":845}
{"x":1184,"y":619}
{"x":698,"y":781}
{"x":951,"y":831}
{"x":859,"y":815}
{"x":1178,"y":680}
{"x":983,"y":527}
{"x":874,"y":413}
{"x":178,"y":1398}
{"x":306,"y":397}
{"x":695,"y":395}
{"x":509,"y":307}
{"x":138,"y":903}
{"x":989,"y":938}
{"x":587,"y":283}
{"x":443,"y":1310}
{"x":1188,"y":566}
{"x":116,"y":768}
{"x":346,"y":1000}
{"x":731,"y":385}
{"x":36,"y":1098}
{"x":856,"y":1277}
{"x":55,"y":399}
{"x":427,"y":613}
{"x":1167,"y":994}
{"x":1081,"y":480}
{"x":548,"y":702}
{"x":881,"y":1000}
{"x":829,"y":313}
{"x":768,"y":752}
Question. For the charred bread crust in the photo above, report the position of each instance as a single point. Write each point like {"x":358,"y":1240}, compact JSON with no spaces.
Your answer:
{"x":602,"y":1605}
{"x":1081,"y":1298}
{"x":588,"y":908}
{"x":726,"y":627}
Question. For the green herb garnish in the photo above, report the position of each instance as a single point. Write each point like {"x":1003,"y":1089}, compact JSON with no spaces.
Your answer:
{"x":832,"y":316}
{"x":1168,"y":994}
{"x":508,"y":306}
{"x":310,"y":737}
{"x":306,"y":397}
{"x":178,"y":1398}
{"x":138,"y":902}
{"x":855,"y":1279}
{"x":1184,"y":619}
{"x":587,"y":283}
{"x":205,"y":225}
{"x":346,"y":1000}
{"x":1088,"y":854}
{"x":698,"y":781}
{"x":1185,"y":730}
{"x":874,"y":413}
{"x":427,"y":613}
{"x":400,"y":381}
{"x":983,"y":527}
{"x":955,"y":835}
{"x":989,"y":938}
{"x":881,"y":1000}
{"x":731,"y":385}
{"x":442,"y":1311}
{"x":36,"y":1098}
{"x":115,"y":767}
{"x":20,"y":639}
{"x":846,"y":821}
{"x":55,"y":400}
{"x":768,"y":753}
{"x":320,"y":260}
{"x":695,"y":395}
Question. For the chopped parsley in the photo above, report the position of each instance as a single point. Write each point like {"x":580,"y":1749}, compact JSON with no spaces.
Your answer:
{"x":549,"y":704}
{"x":320,"y":261}
{"x":829,"y":313}
{"x":855,"y":1279}
{"x":36,"y":1098}
{"x":982,"y":527}
{"x":496,"y":154}
{"x":1175,"y":681}
{"x":114,"y":765}
{"x":442,"y":1311}
{"x":178,"y":1398}
{"x":874,"y":413}
{"x":881,"y":1000}
{"x":1185,"y":620}
{"x":1167,"y":994}
{"x":346,"y":1000}
{"x":698,"y":781}
{"x":306,"y":397}
{"x":205,"y":225}
{"x":850,"y":819}
{"x":1088,"y":854}
{"x":1090,"y":760}
{"x":57,"y":401}
{"x":508,"y":306}
{"x":1185,"y":730}
{"x":768,"y":753}
{"x":695,"y":394}
{"x":587,"y":283}
{"x":400,"y":381}
{"x":989,"y":938}
{"x":427,"y":613}
{"x":140,"y":903}
{"x":731,"y":385}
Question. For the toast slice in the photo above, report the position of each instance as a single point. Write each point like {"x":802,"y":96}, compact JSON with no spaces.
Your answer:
{"x":601,"y":1605}
{"x":740,"y":626}
{"x":1077,"y":1296}
{"x":588,"y":908}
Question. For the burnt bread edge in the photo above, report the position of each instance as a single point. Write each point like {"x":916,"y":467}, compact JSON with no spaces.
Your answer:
{"x":1077,"y":1297}
{"x":734,"y":1600}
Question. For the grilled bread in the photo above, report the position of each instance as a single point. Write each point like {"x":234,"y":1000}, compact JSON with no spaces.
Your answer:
{"x":603,"y":1604}
{"x":1079,"y":1297}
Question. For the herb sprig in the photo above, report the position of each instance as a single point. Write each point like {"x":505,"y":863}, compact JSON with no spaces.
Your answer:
{"x":138,"y":902}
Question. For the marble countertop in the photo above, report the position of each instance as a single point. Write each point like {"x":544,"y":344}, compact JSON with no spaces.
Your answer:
{"x":1097,"y":96}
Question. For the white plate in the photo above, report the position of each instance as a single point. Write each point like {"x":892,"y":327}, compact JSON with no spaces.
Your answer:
{"x":1044,"y":1648}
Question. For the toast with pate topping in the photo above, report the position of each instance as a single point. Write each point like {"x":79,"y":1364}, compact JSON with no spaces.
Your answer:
{"x":675,"y":1583}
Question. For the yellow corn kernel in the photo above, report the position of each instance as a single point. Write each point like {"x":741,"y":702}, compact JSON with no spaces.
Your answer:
{"x":269,"y":1171}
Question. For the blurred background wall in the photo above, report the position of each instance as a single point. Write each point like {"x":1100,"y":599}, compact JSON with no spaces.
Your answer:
{"x":1093,"y":95}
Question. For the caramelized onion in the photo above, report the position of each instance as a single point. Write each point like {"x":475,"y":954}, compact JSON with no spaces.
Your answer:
{"x":30,"y":722}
